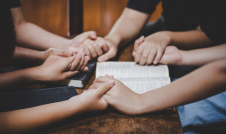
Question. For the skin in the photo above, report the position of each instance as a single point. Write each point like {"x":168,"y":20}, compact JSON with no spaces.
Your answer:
{"x":30,"y":119}
{"x":151,"y":50}
{"x":197,"y":57}
{"x":31,"y":36}
{"x":195,"y":86}
{"x":55,"y":68}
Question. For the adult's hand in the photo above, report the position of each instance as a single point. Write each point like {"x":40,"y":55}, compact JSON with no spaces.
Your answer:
{"x":92,"y":100}
{"x":152,"y":48}
{"x":120,"y":96}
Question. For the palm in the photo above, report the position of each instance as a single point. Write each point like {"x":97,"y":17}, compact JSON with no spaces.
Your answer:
{"x":172,"y":56}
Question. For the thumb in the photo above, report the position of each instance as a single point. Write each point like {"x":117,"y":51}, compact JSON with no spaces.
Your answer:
{"x":138,"y":42}
{"x":70,"y":73}
{"x":91,"y":35}
{"x":106,"y":56}
{"x":105,"y":87}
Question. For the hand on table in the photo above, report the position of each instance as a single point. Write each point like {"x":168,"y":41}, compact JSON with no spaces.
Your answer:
{"x":57,"y":68}
{"x":119,"y":96}
{"x":92,"y":99}
{"x":151,"y":49}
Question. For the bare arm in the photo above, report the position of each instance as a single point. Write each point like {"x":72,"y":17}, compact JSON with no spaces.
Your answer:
{"x":190,"y":88}
{"x":32,"y":36}
{"x":127,"y":26}
{"x":197,"y":57}
{"x":30,"y":119}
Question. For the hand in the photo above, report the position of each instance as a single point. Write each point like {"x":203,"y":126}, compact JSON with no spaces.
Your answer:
{"x":172,"y":56}
{"x":101,"y":47}
{"x":57,"y":68}
{"x":120,"y":96}
{"x":152,"y":48}
{"x":76,"y":43}
{"x":92,"y":100}
{"x":57,"y":52}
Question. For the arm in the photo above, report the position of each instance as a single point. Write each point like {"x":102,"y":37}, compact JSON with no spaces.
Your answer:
{"x":150,"y":49}
{"x":190,"y":88}
{"x":30,"y":119}
{"x":31,"y":36}
{"x":25,"y":55}
{"x":55,"y":68}
{"x":197,"y":57}
{"x":126,"y":28}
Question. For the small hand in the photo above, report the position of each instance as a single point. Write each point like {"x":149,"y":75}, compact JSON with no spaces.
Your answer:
{"x":92,"y":100}
{"x":76,"y":43}
{"x":120,"y":96}
{"x":57,"y":68}
{"x":152,"y":48}
{"x":172,"y":56}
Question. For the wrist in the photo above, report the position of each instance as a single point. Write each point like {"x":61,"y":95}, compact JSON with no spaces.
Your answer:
{"x":184,"y":58}
{"x":114,"y":39}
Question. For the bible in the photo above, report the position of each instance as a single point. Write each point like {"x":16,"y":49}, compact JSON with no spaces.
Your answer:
{"x":139,"y":79}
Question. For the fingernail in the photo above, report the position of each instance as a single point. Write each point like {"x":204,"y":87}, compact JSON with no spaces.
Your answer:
{"x":70,"y":52}
{"x":134,"y":53}
{"x":111,"y":82}
{"x":86,"y":68}
{"x":100,"y":59}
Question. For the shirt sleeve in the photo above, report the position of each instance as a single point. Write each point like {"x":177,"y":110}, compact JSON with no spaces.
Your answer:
{"x":145,"y":6}
{"x":214,"y":24}
{"x":14,"y":3}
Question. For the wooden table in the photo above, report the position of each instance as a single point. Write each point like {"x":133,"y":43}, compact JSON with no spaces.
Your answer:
{"x":112,"y":121}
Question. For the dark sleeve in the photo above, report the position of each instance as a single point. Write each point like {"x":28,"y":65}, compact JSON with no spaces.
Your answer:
{"x":214,"y":24}
{"x":14,"y":3}
{"x":145,"y":6}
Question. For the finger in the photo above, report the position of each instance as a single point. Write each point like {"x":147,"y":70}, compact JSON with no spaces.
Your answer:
{"x":151,"y":57}
{"x":138,"y":42}
{"x":82,"y":61}
{"x":87,"y":53}
{"x":144,"y":56}
{"x":97,"y":48}
{"x":95,"y":85}
{"x":105,"y":47}
{"x":102,"y":79}
{"x":139,"y":53}
{"x":158,"y":56}
{"x":107,"y":75}
{"x":92,"y":35}
{"x":141,"y":39}
{"x":91,"y":49}
{"x":84,"y":68}
{"x":105,"y":87}
{"x":106,"y":56}
{"x":70,"y":73}
{"x":76,"y":62}
{"x":134,"y":54}
{"x":112,"y":76}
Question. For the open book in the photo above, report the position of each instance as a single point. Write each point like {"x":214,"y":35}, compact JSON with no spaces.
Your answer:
{"x":139,"y":79}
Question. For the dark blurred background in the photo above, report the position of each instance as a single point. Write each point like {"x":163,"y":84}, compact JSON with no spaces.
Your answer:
{"x":71,"y":17}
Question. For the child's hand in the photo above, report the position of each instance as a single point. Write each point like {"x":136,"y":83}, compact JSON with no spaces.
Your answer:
{"x":172,"y":56}
{"x":92,"y":99}
{"x":57,"y":68}
{"x":152,"y":49}
{"x":120,"y":96}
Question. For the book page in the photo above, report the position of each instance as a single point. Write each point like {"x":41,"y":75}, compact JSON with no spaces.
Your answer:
{"x":142,"y":85}
{"x":131,"y":70}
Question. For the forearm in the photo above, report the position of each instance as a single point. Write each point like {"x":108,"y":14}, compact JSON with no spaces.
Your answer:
{"x":127,"y":27}
{"x":14,"y":80}
{"x":30,"y":119}
{"x":195,"y":86}
{"x":25,"y":55}
{"x":28,"y":33}
{"x":203,"y":56}
{"x":32,"y":36}
{"x":189,"y":39}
